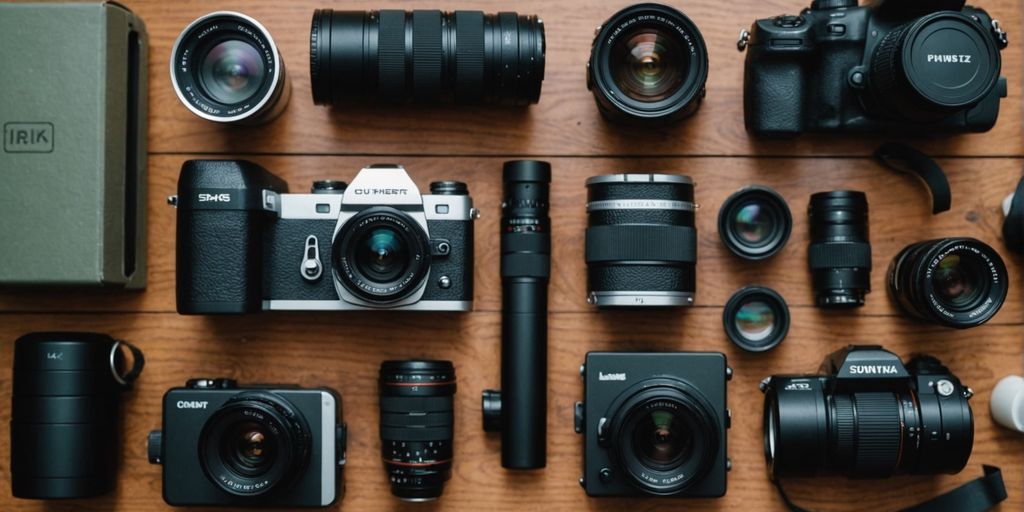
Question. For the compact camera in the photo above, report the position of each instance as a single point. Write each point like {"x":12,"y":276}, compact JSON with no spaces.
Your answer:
{"x":654,"y":424}
{"x":868,"y":416}
{"x":223,"y":444}
{"x":902,"y":66}
{"x":244,"y":244}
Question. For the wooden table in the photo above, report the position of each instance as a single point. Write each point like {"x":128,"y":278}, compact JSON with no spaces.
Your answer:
{"x":344,"y":351}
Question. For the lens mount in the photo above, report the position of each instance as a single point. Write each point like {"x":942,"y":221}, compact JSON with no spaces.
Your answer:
{"x":382,"y":255}
{"x":255,"y":444}
{"x":755,"y":223}
{"x":756,"y":319}
{"x":225,"y":67}
{"x":664,"y":436}
{"x":649,"y":62}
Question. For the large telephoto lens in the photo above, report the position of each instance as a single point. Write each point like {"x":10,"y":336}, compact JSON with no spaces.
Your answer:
{"x":256,"y":444}
{"x":66,"y":413}
{"x":840,"y":254}
{"x":426,"y":57}
{"x":417,"y":426}
{"x":641,"y":241}
{"x":226,"y":68}
{"x":954,"y":282}
{"x":648,"y":63}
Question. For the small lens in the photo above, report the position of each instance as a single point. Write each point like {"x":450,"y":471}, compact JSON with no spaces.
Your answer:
{"x":382,"y":254}
{"x":232,"y":71}
{"x":954,"y":280}
{"x":756,"y":319}
{"x":839,"y":255}
{"x":648,"y":65}
{"x":662,"y":439}
{"x":755,"y":223}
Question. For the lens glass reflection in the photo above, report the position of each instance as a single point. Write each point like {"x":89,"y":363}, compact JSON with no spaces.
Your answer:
{"x":232,"y":71}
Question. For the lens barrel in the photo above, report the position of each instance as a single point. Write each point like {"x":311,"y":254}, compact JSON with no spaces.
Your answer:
{"x":426,"y":57}
{"x":641,"y":240}
{"x":649,"y":63}
{"x":65,"y":415}
{"x":840,"y":254}
{"x":954,"y":282}
{"x":417,"y":426}
{"x":225,"y":67}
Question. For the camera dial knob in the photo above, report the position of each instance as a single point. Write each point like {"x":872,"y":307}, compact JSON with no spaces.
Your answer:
{"x":329,"y":187}
{"x":789,"y":21}
{"x":825,"y":5}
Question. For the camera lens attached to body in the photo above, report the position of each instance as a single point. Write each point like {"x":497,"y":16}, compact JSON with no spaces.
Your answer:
{"x":648,"y":63}
{"x":641,"y":240}
{"x":840,"y":253}
{"x":756,"y":319}
{"x":755,"y":223}
{"x":225,"y":67}
{"x":955,"y":282}
{"x":416,"y":426}
{"x":382,"y":255}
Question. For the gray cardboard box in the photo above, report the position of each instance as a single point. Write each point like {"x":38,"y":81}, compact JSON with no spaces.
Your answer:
{"x":73,"y":162}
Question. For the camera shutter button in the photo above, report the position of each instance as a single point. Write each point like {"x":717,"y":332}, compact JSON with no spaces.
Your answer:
{"x":789,"y":21}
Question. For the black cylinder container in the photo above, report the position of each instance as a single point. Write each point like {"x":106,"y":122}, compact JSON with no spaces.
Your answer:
{"x":426,"y":57}
{"x":65,"y":417}
{"x":641,"y":241}
{"x":840,"y":253}
{"x":954,"y":282}
{"x":417,"y":426}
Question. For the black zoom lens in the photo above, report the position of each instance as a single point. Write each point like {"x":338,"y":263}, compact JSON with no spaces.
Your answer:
{"x":641,"y":242}
{"x":649,"y":62}
{"x":416,"y":426}
{"x":955,"y":282}
{"x":426,"y":56}
{"x":839,"y":254}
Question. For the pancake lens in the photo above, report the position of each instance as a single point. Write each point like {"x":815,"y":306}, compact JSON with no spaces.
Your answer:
{"x":755,"y":320}
{"x":232,"y":71}
{"x":648,"y":65}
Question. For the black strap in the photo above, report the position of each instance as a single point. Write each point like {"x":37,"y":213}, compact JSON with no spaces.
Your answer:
{"x":978,"y":495}
{"x":903,"y":158}
{"x":1013,"y":225}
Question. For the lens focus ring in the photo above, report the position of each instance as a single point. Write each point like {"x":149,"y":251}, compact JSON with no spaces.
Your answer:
{"x":878,"y":434}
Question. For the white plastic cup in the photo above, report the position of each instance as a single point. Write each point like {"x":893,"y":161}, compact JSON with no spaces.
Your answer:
{"x":1008,"y":403}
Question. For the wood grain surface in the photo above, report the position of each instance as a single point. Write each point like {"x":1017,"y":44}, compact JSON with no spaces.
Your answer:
{"x":343,"y":351}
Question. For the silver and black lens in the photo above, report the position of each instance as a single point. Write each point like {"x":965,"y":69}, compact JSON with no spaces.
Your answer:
{"x":382,"y":255}
{"x":256,"y":444}
{"x":755,"y":223}
{"x":954,"y":282}
{"x":756,"y":319}
{"x":641,"y":241}
{"x":648,"y":63}
{"x":426,"y":57}
{"x":840,"y":253}
{"x":417,"y":426}
{"x":226,"y":68}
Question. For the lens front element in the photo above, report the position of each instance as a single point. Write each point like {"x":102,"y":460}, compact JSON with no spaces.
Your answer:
{"x":648,"y":65}
{"x":232,"y":71}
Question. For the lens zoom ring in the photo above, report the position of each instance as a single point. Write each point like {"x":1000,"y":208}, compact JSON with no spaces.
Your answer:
{"x":878,"y":434}
{"x":839,"y":255}
{"x":427,"y":55}
{"x":627,"y":242}
{"x":845,"y":425}
{"x":469,"y":56}
{"x":391,"y":54}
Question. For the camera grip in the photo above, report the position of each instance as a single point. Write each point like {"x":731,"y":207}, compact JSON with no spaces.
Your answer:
{"x":219,"y":262}
{"x":773,"y":94}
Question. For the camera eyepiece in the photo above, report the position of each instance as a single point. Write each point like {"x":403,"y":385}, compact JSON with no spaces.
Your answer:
{"x":416,"y":426}
{"x":755,"y":223}
{"x":839,"y":255}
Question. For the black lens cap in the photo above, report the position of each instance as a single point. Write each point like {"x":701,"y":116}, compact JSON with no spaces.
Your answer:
{"x":755,"y":223}
{"x":756,"y":319}
{"x":949,"y":60}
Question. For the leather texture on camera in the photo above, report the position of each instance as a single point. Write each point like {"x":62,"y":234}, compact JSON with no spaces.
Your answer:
{"x":642,"y":278}
{"x":219,"y":261}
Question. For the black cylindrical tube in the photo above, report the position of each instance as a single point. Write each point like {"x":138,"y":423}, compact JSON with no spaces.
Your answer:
{"x":525,"y":272}
{"x":840,"y":252}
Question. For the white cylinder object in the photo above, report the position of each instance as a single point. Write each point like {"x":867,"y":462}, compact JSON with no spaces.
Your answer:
{"x":1008,"y":403}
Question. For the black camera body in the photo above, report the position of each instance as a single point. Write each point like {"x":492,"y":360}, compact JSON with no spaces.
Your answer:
{"x":254,"y":446}
{"x":245,"y":244}
{"x":899,"y":66}
{"x":654,"y":424}
{"x":867,"y":415}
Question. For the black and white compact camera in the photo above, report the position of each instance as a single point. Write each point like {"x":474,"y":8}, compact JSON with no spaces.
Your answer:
{"x":654,"y":424}
{"x":223,"y":444}
{"x":245,"y":245}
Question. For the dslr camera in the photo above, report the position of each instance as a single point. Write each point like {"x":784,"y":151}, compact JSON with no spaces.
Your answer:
{"x":245,"y":244}
{"x":868,"y":416}
{"x":903,"y":66}
{"x":654,"y":424}
{"x":227,"y":445}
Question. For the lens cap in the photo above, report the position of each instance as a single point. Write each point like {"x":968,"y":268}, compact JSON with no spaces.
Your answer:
{"x":949,"y":61}
{"x":756,"y":319}
{"x":755,"y":223}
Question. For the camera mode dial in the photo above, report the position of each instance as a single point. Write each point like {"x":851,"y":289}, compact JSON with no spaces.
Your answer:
{"x":789,"y":21}
{"x":826,"y":5}
{"x":329,"y":187}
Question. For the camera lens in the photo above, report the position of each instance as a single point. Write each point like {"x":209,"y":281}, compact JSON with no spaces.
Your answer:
{"x":755,"y":223}
{"x":381,"y":255}
{"x":641,"y":242}
{"x":756,"y":319}
{"x":426,"y":56}
{"x":664,"y":436}
{"x":416,"y":426}
{"x":648,"y":62}
{"x":254,"y":445}
{"x":225,"y":67}
{"x":839,"y":255}
{"x":934,"y":66}
{"x":955,"y":282}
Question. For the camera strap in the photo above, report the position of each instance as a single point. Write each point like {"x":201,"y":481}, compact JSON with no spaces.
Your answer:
{"x":978,"y":495}
{"x":903,"y":158}
{"x":128,"y":377}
